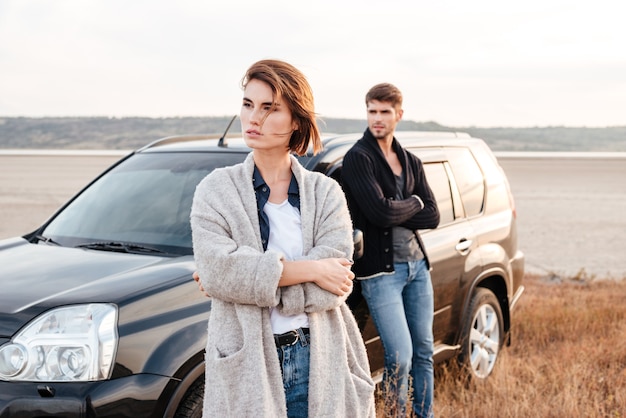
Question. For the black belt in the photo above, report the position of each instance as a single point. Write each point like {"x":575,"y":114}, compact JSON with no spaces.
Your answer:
{"x":289,"y":337}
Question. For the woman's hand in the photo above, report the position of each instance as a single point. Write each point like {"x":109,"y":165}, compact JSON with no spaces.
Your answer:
{"x":196,"y":277}
{"x":331,"y":274}
{"x":336,"y":276}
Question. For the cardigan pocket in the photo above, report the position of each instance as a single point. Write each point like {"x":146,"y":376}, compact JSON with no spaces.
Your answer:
{"x":224,"y":377}
{"x":227,"y":344}
{"x":225,"y":354}
{"x":364,"y":396}
{"x":362,"y":384}
{"x":225,"y":332}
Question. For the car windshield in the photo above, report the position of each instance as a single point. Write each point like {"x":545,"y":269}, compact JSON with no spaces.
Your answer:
{"x":142,"y":205}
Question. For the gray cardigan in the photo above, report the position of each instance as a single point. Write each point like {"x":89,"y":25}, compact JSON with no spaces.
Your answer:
{"x":243,"y":377}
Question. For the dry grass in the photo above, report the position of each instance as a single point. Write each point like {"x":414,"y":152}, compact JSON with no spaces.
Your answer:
{"x":567,"y":357}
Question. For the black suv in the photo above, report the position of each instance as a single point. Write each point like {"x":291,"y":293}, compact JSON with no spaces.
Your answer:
{"x":99,"y":315}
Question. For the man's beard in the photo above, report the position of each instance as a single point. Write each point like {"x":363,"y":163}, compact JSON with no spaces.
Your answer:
{"x":379,"y":133}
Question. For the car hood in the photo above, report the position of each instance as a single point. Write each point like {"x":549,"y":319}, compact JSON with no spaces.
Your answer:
{"x":36,"y":277}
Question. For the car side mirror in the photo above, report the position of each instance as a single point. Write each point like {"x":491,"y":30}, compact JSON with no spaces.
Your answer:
{"x":357,"y":237}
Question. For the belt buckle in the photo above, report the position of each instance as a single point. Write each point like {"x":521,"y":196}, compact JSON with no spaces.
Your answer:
{"x":287,"y":339}
{"x":296,"y":337}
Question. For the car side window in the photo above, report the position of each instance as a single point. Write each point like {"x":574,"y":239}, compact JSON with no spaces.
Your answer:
{"x":469,"y":179}
{"x":440,"y":185}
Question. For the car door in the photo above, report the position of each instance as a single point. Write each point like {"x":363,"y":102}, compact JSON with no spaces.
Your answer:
{"x":449,"y":249}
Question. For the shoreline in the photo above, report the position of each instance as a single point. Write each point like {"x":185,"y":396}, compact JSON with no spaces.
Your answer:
{"x":569,"y":208}
{"x":498,"y":154}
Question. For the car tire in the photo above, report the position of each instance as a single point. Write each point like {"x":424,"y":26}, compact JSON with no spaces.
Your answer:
{"x":191,"y":406}
{"x":482,"y":335}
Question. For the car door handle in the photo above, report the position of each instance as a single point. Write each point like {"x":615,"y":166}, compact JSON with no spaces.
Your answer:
{"x":463,"y":245}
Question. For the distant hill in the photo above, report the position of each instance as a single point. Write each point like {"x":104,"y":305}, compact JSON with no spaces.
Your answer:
{"x":134,"y":132}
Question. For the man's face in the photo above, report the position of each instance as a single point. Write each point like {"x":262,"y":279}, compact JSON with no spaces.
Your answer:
{"x":382,"y":118}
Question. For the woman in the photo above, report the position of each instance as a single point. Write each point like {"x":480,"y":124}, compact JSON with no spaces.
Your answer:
{"x":272,"y":243}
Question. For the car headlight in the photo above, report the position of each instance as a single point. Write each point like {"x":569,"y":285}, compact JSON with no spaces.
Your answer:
{"x":72,"y":343}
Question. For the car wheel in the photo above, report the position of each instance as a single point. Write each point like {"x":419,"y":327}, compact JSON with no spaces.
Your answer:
{"x":482,"y":334}
{"x":191,"y":406}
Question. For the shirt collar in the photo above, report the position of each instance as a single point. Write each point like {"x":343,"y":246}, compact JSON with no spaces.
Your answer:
{"x":293,"y":192}
{"x":257,"y":179}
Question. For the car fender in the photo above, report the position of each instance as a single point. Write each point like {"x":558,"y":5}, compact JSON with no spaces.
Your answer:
{"x":173,"y":352}
{"x":196,"y":372}
{"x":493,"y":278}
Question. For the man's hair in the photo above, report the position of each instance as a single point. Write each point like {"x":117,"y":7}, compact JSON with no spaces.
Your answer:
{"x":385,"y":92}
{"x":288,"y":83}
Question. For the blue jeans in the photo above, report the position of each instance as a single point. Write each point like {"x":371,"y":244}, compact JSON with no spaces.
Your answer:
{"x":294,"y":365}
{"x":402,"y":307}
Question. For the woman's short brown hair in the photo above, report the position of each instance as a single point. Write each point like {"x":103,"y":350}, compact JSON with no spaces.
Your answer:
{"x":290,"y":85}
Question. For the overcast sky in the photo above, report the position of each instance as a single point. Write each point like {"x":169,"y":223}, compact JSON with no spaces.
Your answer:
{"x":458,"y":63}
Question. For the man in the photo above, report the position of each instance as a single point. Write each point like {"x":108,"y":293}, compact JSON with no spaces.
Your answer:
{"x":389,"y":200}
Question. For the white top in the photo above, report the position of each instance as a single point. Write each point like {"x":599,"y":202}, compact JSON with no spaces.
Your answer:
{"x":285,"y":237}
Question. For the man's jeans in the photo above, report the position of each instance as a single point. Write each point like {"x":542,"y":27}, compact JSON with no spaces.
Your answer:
{"x":294,"y":363}
{"x":401,"y":306}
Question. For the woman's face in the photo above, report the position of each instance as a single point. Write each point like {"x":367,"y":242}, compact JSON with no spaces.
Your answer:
{"x":263,"y":127}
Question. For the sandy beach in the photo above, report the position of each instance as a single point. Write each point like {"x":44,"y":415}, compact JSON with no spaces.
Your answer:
{"x":570,"y":210}
{"x":571,"y":214}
